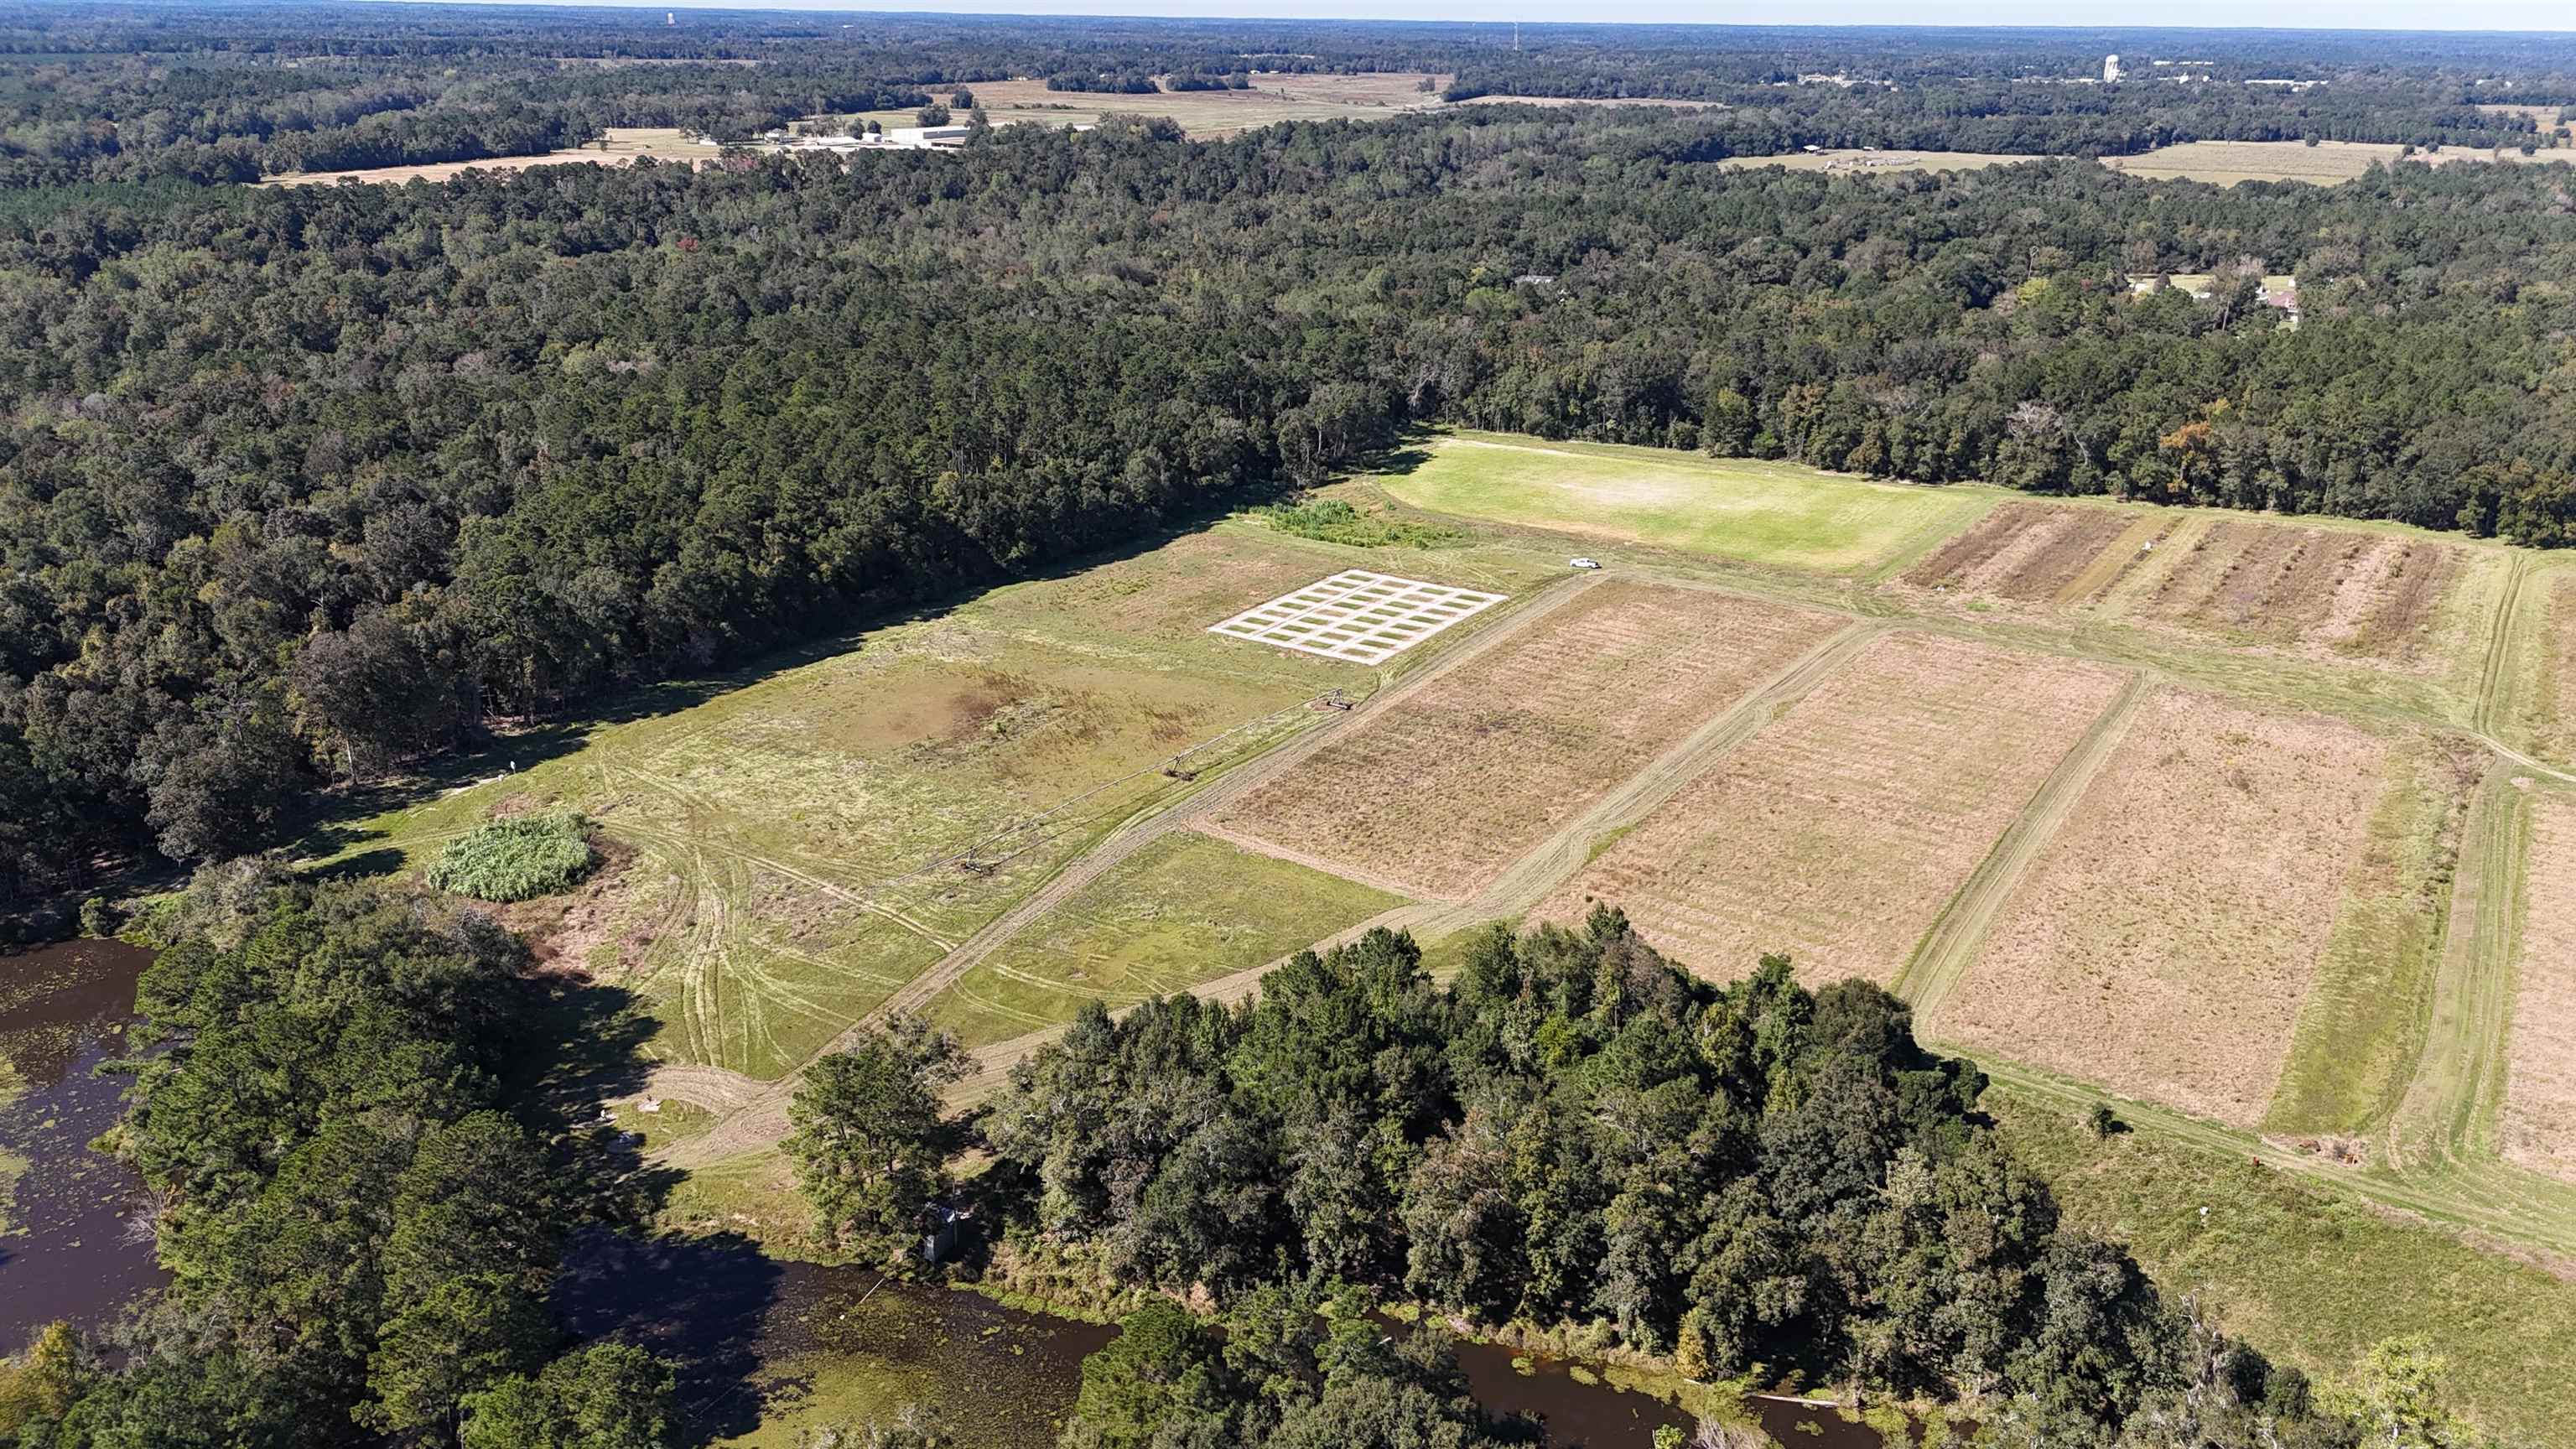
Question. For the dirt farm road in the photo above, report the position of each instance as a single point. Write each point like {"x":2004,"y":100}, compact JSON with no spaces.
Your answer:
{"x":2438,"y":1144}
{"x":755,"y":1112}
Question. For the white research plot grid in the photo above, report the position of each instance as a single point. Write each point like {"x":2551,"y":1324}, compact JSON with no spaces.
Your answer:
{"x":1356,"y":615}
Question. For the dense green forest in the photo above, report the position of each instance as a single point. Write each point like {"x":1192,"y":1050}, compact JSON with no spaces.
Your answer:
{"x":1753,"y":1181}
{"x":303,"y":484}
{"x":231,"y":92}
{"x":360,"y":1191}
{"x":366,"y":1196}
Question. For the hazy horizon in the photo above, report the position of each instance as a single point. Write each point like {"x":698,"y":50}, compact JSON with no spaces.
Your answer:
{"x":2549,"y":17}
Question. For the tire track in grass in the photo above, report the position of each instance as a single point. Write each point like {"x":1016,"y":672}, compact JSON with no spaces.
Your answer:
{"x":2495,"y":676}
{"x":1945,"y":951}
{"x":1539,"y":870}
{"x":2448,"y":1116}
{"x":765,"y":1120}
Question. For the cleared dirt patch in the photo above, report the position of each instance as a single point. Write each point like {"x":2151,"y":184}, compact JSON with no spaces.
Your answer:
{"x":2539,"y":1127}
{"x":2361,"y":1032}
{"x":1445,"y":791}
{"x":2022,"y":551}
{"x":2166,"y":942}
{"x":1849,"y":161}
{"x":622,"y":145}
{"x":2314,"y":592}
{"x":1273,"y":97}
{"x":1838,"y":833}
{"x":2327,"y":163}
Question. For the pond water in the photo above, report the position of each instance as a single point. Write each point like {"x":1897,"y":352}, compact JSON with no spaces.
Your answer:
{"x":66,"y":1251}
{"x":803,"y":1347}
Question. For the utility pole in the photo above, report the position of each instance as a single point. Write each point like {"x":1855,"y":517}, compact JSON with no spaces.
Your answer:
{"x":1516,"y":35}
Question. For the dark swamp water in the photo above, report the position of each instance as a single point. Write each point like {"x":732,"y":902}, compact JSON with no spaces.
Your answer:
{"x":754,"y":1334}
{"x":67,"y":1252}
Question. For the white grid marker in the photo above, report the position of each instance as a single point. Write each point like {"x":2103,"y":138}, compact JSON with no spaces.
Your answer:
{"x":1358,"y":616}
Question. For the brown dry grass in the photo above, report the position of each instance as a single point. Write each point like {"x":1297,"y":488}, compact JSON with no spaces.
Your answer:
{"x":2328,"y":163}
{"x":2022,"y":551}
{"x":623,"y":145}
{"x":1273,"y":97}
{"x":2305,"y":589}
{"x":2558,"y":670}
{"x":1445,"y":791}
{"x":1839,"y":832}
{"x":1856,"y":162}
{"x":2539,"y":1126}
{"x":2312,"y":592}
{"x":2164,"y":944}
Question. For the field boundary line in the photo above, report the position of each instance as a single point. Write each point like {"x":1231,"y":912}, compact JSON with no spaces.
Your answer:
{"x":2459,"y":1080}
{"x":1235,"y":783}
{"x":1521,"y":885}
{"x":2495,"y":676}
{"x":764,"y":1120}
{"x":2107,"y":565}
{"x":2530,"y":1216}
{"x":1919,"y":545}
{"x":1641,"y":794}
{"x":1375,"y":880}
{"x":1959,"y":931}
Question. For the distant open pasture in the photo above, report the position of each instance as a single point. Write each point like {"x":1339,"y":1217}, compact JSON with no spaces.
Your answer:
{"x":2401,"y":601}
{"x":1658,"y":102}
{"x":1850,"y":161}
{"x":2539,"y":1122}
{"x":2166,"y":941}
{"x":1186,"y":909}
{"x":1274,"y":97}
{"x":622,"y":145}
{"x":1446,"y":790}
{"x":1765,"y":513}
{"x":1838,"y":833}
{"x":2327,"y":163}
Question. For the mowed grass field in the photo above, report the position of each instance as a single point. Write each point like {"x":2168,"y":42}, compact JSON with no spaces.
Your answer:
{"x":2306,"y":1272}
{"x":1438,"y":796}
{"x":772,"y":836}
{"x":2535,"y":665}
{"x":1274,"y":96}
{"x":1756,"y":512}
{"x":2327,"y":163}
{"x":1186,"y":909}
{"x":1839,"y":832}
{"x":2539,"y":1121}
{"x":1847,"y":161}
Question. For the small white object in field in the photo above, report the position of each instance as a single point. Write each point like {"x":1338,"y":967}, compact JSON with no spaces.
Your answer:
{"x":1583,"y":563}
{"x":1357,"y":615}
{"x":649,"y":1104}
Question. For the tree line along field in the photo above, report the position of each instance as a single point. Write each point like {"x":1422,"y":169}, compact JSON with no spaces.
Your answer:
{"x":767,"y":884}
{"x":2059,"y":790}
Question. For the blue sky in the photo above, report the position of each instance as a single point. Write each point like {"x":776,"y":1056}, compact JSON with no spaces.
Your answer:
{"x":2313,"y":14}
